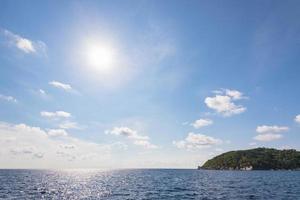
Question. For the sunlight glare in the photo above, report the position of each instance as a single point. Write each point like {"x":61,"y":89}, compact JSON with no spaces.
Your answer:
{"x":100,"y":57}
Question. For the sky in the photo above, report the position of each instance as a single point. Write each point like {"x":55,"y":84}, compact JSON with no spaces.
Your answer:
{"x":146,"y":84}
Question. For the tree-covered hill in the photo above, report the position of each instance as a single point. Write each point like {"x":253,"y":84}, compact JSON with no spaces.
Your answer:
{"x":255,"y":159}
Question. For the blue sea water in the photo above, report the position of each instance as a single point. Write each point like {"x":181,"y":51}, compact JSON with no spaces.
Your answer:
{"x":149,"y":184}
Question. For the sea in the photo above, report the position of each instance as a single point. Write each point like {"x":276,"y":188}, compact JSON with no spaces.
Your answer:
{"x":149,"y":184}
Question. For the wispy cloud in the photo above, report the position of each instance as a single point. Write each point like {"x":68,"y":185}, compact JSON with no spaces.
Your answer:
{"x":63,"y":118}
{"x":271,"y":129}
{"x":196,"y":141}
{"x":60,"y":85}
{"x":268,"y":137}
{"x":185,"y":123}
{"x":201,"y":123}
{"x":155,"y":45}
{"x":297,"y":119}
{"x":24,"y":44}
{"x":269,"y":133}
{"x":133,"y":135}
{"x":69,"y":125}
{"x":223,"y":103}
{"x":234,"y":94}
{"x":42,"y":92}
{"x":119,"y":146}
{"x":56,"y":114}
{"x":63,"y":86}
{"x":8,"y":98}
{"x":68,"y":146}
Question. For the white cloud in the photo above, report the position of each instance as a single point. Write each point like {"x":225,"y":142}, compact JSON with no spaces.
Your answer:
{"x":201,"y":123}
{"x":42,"y":92}
{"x":69,"y":125}
{"x":127,"y":132}
{"x":27,"y":150}
{"x":133,"y":135}
{"x":196,"y":141}
{"x":297,"y":119}
{"x":269,"y":133}
{"x":119,"y":146}
{"x":23,"y":150}
{"x":8,"y":98}
{"x":223,"y":102}
{"x":56,"y":114}
{"x":66,"y":155}
{"x":68,"y":146}
{"x":236,"y":95}
{"x":218,"y":91}
{"x":24,"y":44}
{"x":57,"y":133}
{"x":268,"y":137}
{"x":38,"y":155}
{"x":33,"y":147}
{"x":145,"y":143}
{"x":271,"y":129}
{"x":60,"y":85}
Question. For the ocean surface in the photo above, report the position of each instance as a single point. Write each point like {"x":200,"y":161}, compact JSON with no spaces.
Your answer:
{"x":149,"y":184}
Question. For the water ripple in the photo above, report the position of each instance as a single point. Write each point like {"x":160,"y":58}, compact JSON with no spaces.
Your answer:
{"x":149,"y":184}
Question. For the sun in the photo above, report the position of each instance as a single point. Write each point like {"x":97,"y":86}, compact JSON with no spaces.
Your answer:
{"x":100,"y":57}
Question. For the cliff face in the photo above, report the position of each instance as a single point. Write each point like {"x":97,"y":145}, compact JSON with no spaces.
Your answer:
{"x":255,"y":159}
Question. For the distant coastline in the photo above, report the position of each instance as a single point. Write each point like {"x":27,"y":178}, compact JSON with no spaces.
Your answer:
{"x":255,"y":159}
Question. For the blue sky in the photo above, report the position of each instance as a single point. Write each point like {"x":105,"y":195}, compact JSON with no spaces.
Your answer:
{"x":146,"y":83}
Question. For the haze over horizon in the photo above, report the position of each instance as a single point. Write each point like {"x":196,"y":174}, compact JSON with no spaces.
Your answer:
{"x":146,"y":84}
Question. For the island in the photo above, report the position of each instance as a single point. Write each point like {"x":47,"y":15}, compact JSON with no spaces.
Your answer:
{"x":255,"y":159}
